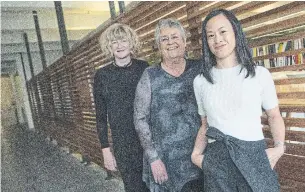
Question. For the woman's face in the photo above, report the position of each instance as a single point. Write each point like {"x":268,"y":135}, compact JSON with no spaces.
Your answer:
{"x":221,"y":37}
{"x":120,"y":48}
{"x":172,"y":44}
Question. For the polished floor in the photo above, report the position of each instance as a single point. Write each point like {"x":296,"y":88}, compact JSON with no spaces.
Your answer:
{"x":29,"y":163}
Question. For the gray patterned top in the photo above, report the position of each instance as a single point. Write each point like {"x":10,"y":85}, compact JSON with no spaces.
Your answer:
{"x":167,"y":121}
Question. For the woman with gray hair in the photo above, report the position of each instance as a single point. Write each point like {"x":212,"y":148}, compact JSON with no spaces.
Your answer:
{"x":165,"y":114}
{"x":114,"y":91}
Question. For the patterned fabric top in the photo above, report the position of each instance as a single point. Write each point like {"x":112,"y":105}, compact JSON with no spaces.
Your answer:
{"x":167,"y":122}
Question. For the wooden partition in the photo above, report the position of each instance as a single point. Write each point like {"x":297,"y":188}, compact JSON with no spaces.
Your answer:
{"x":66,"y":110}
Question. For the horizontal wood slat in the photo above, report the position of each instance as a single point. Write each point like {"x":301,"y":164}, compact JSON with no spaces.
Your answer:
{"x":291,"y":95}
{"x":290,"y":81}
{"x":276,"y":13}
{"x":288,"y":68}
{"x":63,"y":107}
{"x":290,"y":135}
{"x":291,"y":167}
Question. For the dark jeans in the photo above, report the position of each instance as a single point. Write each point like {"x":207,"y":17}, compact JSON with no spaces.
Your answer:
{"x":193,"y":186}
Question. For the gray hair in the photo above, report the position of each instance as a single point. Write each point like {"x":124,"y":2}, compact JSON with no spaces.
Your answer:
{"x":172,"y":23}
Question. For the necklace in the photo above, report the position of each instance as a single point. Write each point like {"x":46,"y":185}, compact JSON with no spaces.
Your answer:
{"x":126,"y":65}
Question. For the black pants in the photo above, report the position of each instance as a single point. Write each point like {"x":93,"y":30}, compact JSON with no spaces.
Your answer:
{"x":129,"y":158}
{"x":193,"y":186}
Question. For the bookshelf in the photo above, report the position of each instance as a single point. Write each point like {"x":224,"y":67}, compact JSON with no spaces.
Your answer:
{"x":283,"y":53}
{"x":280,"y":54}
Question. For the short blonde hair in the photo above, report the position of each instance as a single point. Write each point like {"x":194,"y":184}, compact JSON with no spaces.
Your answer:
{"x":119,"y":31}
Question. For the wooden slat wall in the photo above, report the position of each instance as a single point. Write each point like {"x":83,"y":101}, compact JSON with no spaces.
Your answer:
{"x":67,"y":112}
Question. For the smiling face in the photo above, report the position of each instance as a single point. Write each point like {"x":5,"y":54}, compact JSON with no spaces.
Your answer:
{"x":221,"y":38}
{"x":172,"y":45}
{"x":120,"y":48}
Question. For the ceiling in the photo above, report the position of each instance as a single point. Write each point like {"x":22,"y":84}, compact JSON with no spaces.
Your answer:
{"x":81,"y":17}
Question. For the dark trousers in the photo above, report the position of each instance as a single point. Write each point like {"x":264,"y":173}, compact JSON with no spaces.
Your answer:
{"x":129,"y":158}
{"x":232,"y":165}
{"x":193,"y":186}
{"x":132,"y":180}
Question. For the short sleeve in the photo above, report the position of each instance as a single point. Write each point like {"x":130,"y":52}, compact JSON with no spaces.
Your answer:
{"x":198,"y":90}
{"x":269,"y":96}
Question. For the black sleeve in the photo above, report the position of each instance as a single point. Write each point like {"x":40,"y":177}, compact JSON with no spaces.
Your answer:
{"x":145,"y":63}
{"x":101,"y":110}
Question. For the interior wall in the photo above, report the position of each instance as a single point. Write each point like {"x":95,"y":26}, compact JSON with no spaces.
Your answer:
{"x":8,"y":116}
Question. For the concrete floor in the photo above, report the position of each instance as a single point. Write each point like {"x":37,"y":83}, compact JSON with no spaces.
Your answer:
{"x":29,"y":163}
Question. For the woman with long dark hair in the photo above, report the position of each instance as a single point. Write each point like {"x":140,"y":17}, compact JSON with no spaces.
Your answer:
{"x":230,"y":93}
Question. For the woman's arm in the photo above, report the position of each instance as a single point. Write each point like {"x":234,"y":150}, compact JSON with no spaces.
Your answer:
{"x":101,"y":121}
{"x":142,"y":115}
{"x":276,"y":124}
{"x":275,"y":120}
{"x":101,"y":110}
{"x":277,"y":128}
{"x":141,"y":121}
{"x":200,"y":144}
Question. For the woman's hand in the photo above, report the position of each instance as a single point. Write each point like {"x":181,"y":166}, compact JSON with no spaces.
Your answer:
{"x":200,"y":144}
{"x":159,"y":171}
{"x":274,"y":154}
{"x":197,"y":159}
{"x":109,"y":160}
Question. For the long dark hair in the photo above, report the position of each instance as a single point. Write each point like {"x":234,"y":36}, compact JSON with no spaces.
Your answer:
{"x":243,"y":53}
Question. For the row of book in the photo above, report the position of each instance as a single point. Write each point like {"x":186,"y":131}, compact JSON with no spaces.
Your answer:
{"x":279,"y":47}
{"x":282,"y":61}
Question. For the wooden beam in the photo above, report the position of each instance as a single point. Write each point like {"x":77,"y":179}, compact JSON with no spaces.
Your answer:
{"x":163,"y":8}
{"x":298,"y":136}
{"x":219,"y":5}
{"x":275,"y":39}
{"x":288,"y":9}
{"x":291,"y":167}
{"x":290,"y":81}
{"x":275,"y":27}
{"x":291,"y":95}
{"x":297,"y":67}
{"x":140,"y":9}
{"x":152,"y":25}
{"x":294,"y":122}
{"x":250,"y":6}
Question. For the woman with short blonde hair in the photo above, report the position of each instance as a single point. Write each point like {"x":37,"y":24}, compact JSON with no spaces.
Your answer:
{"x":114,"y":90}
{"x":119,"y":31}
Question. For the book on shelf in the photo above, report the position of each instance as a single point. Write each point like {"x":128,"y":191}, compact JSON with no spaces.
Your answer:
{"x":279,"y":47}
{"x":282,"y":61}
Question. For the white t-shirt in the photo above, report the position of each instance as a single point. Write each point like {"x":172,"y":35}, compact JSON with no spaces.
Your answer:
{"x":233,"y":104}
